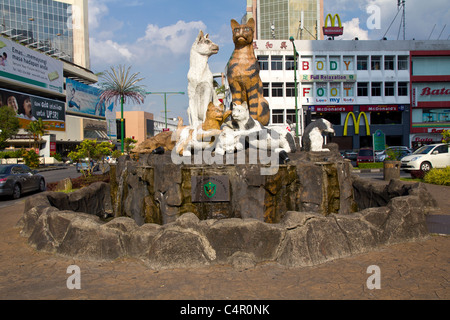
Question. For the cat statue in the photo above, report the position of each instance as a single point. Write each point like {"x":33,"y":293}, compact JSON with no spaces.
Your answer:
{"x":243,"y":128}
{"x":243,"y":73}
{"x":200,"y":79}
{"x":205,"y":135}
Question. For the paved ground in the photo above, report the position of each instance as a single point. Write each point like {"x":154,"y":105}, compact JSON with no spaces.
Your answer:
{"x":419,"y":270}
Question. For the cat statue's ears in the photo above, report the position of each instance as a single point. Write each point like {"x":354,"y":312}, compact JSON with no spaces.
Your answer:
{"x":201,"y":35}
{"x":250,"y":23}
{"x":244,"y":104}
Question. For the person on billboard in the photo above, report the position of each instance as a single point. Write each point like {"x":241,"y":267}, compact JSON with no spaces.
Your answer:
{"x":12,"y":103}
{"x":25,"y":110}
{"x":3,"y":59}
{"x":72,"y":103}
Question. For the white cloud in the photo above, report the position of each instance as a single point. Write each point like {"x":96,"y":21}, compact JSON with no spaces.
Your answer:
{"x":109,"y":52}
{"x":175,"y":39}
{"x":353,"y":30}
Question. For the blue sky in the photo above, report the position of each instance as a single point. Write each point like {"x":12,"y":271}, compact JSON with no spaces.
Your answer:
{"x":155,"y":37}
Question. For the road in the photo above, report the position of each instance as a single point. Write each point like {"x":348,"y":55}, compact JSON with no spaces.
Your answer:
{"x":50,"y":176}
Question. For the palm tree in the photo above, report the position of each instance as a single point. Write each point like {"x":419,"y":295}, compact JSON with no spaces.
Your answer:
{"x":38,"y":129}
{"x":120,"y":84}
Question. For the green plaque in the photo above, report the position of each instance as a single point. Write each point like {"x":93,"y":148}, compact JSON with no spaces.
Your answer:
{"x":379,"y":141}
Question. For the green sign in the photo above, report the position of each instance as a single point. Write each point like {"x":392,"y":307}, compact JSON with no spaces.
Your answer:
{"x":379,"y":141}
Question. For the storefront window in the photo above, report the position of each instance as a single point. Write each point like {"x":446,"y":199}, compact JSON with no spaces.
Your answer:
{"x":392,"y":117}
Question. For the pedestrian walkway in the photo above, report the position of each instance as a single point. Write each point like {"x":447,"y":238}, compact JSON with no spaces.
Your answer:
{"x":414,"y":270}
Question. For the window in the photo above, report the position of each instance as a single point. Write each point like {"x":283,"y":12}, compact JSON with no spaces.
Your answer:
{"x":375,"y":63}
{"x":392,"y":117}
{"x":290,"y":63}
{"x":362,"y":62}
{"x":403,"y":89}
{"x":266,"y":90}
{"x":363,"y":89}
{"x":389,"y":62}
{"x":403,"y":63}
{"x":389,"y":89}
{"x":277,"y":62}
{"x":376,"y":89}
{"x":442,"y":149}
{"x":290,"y":89}
{"x":277,"y":116}
{"x":290,"y":116}
{"x":263,"y":62}
{"x":277,"y":90}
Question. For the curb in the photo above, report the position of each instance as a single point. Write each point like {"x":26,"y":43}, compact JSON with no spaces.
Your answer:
{"x":367,"y":170}
{"x":51,"y":169}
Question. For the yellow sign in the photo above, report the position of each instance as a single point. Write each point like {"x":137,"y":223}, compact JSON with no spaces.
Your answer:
{"x":333,"y":30}
{"x":333,"y":20}
{"x":356,"y":123}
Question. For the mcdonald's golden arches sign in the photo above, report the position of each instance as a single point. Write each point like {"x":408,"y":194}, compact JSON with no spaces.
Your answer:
{"x":333,"y":30}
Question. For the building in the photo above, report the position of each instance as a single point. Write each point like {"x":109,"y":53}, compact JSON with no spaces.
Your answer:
{"x":47,"y":62}
{"x":141,"y":125}
{"x":430,"y":99}
{"x":359,"y":86}
{"x":57,"y":28}
{"x":281,"y":19}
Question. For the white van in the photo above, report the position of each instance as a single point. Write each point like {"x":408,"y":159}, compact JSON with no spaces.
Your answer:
{"x":427,"y":157}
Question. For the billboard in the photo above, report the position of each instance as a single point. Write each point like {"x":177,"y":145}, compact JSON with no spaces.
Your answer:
{"x":334,"y":30}
{"x":84,"y":99}
{"x":30,"y":108}
{"x":21,"y":64}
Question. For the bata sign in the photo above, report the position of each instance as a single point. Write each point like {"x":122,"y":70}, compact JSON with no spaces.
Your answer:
{"x":429,"y":91}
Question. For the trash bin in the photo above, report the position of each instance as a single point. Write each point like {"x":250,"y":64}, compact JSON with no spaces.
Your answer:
{"x":392,"y":170}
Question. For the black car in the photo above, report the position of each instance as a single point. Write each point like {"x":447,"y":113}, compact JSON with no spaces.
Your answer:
{"x":17,"y":179}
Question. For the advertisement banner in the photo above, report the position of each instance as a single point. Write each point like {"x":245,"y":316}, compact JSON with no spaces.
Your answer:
{"x":30,"y":108}
{"x":85,"y":99}
{"x":25,"y":65}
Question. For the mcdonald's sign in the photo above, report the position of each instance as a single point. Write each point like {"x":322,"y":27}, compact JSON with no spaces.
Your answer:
{"x":334,"y":30}
{"x":356,"y":123}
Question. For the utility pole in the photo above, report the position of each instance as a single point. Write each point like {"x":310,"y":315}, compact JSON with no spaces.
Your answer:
{"x":165,"y":94}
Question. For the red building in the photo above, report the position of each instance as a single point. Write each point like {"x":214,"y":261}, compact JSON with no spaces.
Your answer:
{"x":430,"y":96}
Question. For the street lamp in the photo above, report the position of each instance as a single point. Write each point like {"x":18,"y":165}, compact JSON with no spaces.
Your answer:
{"x":296,"y":87}
{"x":165,"y":94}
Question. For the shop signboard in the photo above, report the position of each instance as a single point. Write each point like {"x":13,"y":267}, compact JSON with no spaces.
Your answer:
{"x":21,"y":64}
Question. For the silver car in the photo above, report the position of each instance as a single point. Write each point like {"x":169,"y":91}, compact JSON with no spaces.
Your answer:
{"x":17,"y":179}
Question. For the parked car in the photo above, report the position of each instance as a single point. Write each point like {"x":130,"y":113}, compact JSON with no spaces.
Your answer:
{"x":83,"y":166}
{"x":351,"y":155}
{"x":426,"y":158}
{"x":399,"y":153}
{"x":17,"y":179}
{"x":365,"y":155}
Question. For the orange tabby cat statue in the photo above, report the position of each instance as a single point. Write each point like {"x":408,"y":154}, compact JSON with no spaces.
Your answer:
{"x":243,"y":73}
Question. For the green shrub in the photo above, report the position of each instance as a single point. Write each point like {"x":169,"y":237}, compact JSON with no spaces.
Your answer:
{"x":438,"y":176}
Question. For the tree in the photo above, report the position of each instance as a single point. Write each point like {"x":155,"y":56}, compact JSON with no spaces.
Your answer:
{"x":38,"y":129}
{"x":120,"y":85}
{"x":104,"y":150}
{"x":9,"y":125}
{"x":446,"y":136}
{"x":86,"y":150}
{"x":129,"y":144}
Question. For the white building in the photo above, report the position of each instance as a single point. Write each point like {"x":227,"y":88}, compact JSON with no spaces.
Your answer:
{"x":341,"y":81}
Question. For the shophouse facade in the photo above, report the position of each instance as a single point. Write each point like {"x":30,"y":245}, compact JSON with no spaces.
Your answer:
{"x":359,"y":86}
{"x":430,"y":99}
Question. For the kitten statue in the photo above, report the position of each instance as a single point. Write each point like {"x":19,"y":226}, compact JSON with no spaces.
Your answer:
{"x":243,"y":73}
{"x":243,"y":128}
